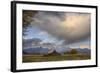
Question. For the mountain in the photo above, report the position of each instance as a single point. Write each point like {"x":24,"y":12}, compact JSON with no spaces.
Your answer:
{"x":42,"y":50}
{"x":37,"y":50}
{"x":84,"y":51}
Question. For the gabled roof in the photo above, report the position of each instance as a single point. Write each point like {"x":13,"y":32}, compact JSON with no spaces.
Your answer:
{"x":53,"y":52}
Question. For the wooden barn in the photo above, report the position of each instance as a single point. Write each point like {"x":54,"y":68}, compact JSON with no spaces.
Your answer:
{"x":52,"y":53}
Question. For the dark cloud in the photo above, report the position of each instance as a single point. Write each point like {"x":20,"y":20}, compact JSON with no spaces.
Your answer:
{"x":71,"y":27}
{"x":30,"y":42}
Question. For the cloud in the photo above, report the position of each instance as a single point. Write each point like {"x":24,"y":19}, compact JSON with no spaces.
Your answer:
{"x":31,"y":42}
{"x":42,"y":33}
{"x":85,"y":46}
{"x":71,"y":27}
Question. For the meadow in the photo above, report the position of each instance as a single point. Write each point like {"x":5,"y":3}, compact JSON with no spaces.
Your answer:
{"x":45,"y":58}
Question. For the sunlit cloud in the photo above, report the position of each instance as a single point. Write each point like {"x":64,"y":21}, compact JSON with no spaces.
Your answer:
{"x":42,"y":33}
{"x":71,"y":27}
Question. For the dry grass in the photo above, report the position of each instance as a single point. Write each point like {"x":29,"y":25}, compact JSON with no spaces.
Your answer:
{"x":37,"y":58}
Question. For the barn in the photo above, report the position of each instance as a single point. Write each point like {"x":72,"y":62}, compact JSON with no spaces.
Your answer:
{"x":52,"y":52}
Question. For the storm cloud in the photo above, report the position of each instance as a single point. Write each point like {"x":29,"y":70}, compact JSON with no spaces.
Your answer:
{"x":68,"y":26}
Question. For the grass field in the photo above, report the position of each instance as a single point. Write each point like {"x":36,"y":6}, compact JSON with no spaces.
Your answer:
{"x":34,"y":58}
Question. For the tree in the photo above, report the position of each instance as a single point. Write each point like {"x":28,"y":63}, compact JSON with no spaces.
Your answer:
{"x":27,"y":18}
{"x":73,"y":51}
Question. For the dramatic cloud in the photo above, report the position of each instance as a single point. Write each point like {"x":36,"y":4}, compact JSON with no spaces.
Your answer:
{"x":71,"y":27}
{"x":43,"y":33}
{"x":30,"y":42}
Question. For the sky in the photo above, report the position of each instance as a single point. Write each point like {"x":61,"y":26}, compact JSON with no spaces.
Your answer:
{"x":35,"y":32}
{"x":62,"y":28}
